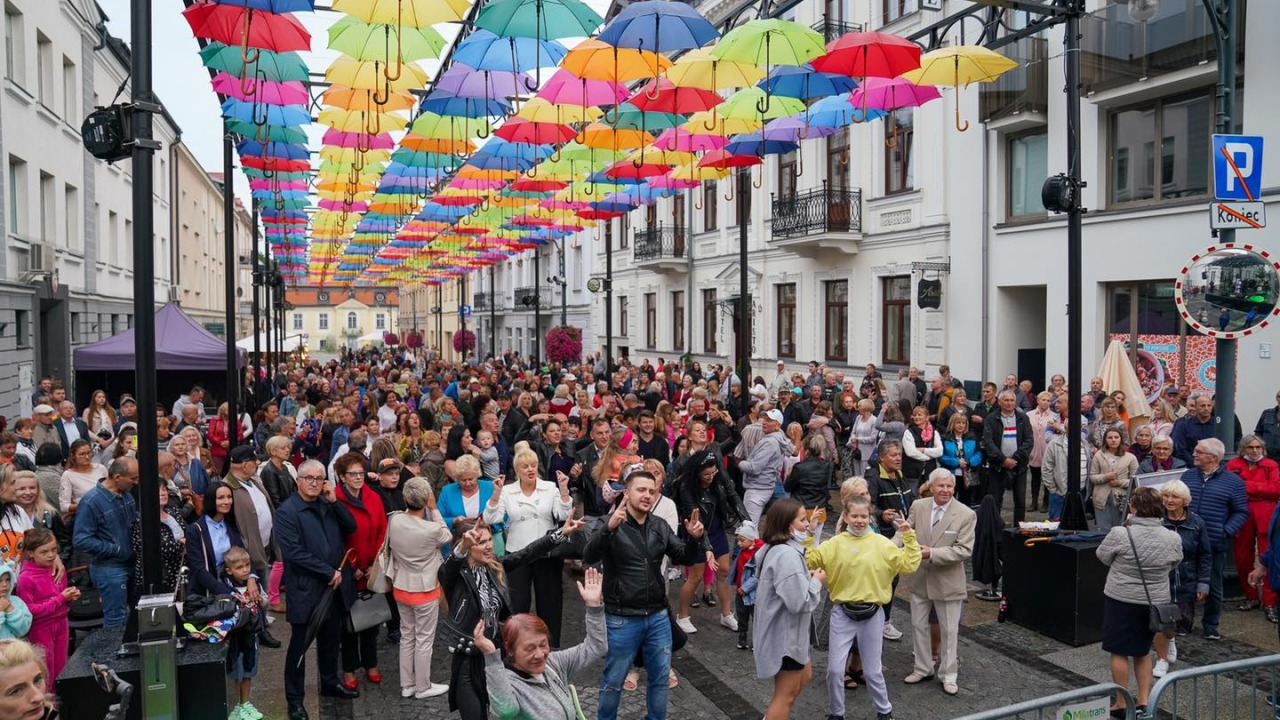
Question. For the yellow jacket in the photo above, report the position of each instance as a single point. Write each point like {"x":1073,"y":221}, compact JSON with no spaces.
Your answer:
{"x":861,"y":569}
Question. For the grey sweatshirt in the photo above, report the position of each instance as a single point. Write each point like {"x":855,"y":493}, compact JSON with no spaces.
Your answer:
{"x":515,"y":697}
{"x":763,"y":467}
{"x":1159,"y":550}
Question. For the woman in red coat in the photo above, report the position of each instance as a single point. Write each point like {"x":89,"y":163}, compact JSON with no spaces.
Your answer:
{"x":219,"y":440}
{"x":360,"y":650}
{"x":1261,"y":478}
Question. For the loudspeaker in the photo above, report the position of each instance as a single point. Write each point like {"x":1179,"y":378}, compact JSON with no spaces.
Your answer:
{"x":1055,"y":588}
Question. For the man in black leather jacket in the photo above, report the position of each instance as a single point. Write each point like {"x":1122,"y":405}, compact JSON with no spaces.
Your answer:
{"x":631,"y":546}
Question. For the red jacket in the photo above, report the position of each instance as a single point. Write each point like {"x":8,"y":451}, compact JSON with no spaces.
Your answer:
{"x":1261,"y":480}
{"x":371,"y":526}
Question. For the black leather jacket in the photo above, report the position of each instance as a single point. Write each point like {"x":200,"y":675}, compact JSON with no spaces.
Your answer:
{"x":632,"y":557}
{"x":689,"y":494}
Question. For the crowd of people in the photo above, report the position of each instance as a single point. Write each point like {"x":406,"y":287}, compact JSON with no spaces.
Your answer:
{"x":447,"y":501}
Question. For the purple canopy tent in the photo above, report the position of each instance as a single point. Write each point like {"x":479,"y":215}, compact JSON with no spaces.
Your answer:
{"x":186,"y":354}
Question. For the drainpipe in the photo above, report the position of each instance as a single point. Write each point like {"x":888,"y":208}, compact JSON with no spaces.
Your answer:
{"x":986,"y":258}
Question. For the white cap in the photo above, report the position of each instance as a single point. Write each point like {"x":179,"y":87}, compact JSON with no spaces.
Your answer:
{"x":774,"y":415}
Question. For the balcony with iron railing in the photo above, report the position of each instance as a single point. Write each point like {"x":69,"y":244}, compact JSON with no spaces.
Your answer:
{"x":528,"y":298}
{"x":826,"y":218}
{"x":832,"y":29}
{"x":660,"y":248}
{"x":349,"y":331}
{"x":1116,"y":50}
{"x":480,"y":301}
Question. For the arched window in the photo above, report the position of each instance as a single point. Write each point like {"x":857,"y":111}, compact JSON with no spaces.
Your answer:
{"x":351,"y":321}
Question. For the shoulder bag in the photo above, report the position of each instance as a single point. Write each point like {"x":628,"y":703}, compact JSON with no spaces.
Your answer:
{"x":1160,"y":618}
{"x":369,"y":610}
{"x":378,"y":581}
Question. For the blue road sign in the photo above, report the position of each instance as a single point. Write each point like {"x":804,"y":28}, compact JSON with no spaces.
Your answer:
{"x":1237,"y":167}
{"x":465,"y":312}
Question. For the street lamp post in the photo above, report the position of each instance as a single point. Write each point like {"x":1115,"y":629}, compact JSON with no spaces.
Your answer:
{"x":229,"y":287}
{"x":493,"y":310}
{"x":257,"y":321}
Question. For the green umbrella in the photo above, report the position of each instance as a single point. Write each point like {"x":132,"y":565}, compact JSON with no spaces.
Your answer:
{"x":448,"y":127}
{"x":272,"y":66}
{"x":770,"y":42}
{"x":755,"y":104}
{"x":629,"y":117}
{"x":540,"y":19}
{"x":384,"y":42}
{"x":263,"y":133}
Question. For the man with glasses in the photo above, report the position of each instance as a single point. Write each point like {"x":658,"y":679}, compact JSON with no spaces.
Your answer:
{"x":310,"y":527}
{"x":103,"y":519}
{"x":1261,"y":476}
{"x":1218,"y":497}
{"x":1268,"y":429}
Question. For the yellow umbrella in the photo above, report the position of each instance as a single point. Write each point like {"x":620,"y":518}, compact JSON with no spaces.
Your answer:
{"x":700,"y":69}
{"x":346,"y":98}
{"x":958,"y":66}
{"x":596,"y":60}
{"x":655,"y":156}
{"x":539,"y":110}
{"x":411,"y":13}
{"x":357,"y":159}
{"x":368,"y":75}
{"x":372,"y":123}
{"x":710,"y":122}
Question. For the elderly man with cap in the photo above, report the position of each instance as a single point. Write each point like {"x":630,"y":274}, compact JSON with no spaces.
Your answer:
{"x":252,"y":507}
{"x":45,"y":432}
{"x":126,"y":412}
{"x":762,"y":469}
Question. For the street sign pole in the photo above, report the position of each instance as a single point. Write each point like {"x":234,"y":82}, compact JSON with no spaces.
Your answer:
{"x":1225,"y":350}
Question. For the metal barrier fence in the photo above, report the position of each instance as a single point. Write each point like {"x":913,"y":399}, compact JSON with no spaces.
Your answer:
{"x":1238,"y":690}
{"x":1091,"y":703}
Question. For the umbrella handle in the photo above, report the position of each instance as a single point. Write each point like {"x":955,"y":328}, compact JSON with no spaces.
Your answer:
{"x":386,"y":96}
{"x":386,"y":73}
{"x":357,"y":162}
{"x":248,"y":85}
{"x":728,"y":196}
{"x":348,"y":557}
{"x":799,"y":163}
{"x":377,"y":125}
{"x":697,"y":199}
{"x":247,"y":54}
{"x":711,"y":127}
{"x":958,"y":121}
{"x":891,"y":141}
{"x":759,"y":181}
{"x":261,"y":134}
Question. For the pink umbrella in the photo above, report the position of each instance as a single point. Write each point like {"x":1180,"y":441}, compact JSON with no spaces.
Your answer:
{"x":361,"y":140}
{"x":341,"y":205}
{"x":273,"y":185}
{"x":671,"y":183}
{"x":264,"y":91}
{"x":891,"y":94}
{"x":553,"y":204}
{"x":565,"y":88}
{"x":683,"y":140}
{"x":475,"y":184}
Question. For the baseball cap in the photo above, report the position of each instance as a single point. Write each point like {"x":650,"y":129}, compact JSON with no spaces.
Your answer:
{"x":389,"y":464}
{"x":42,"y":409}
{"x":781,"y":363}
{"x":1171,"y":391}
{"x":748,"y":531}
{"x":242,"y":453}
{"x":126,"y":399}
{"x":570,"y":377}
{"x":797,"y":391}
{"x":775,"y":416}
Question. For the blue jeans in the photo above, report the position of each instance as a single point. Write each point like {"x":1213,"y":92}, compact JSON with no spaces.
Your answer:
{"x":1213,"y":603}
{"x":112,"y":582}
{"x":1055,"y":506}
{"x":627,"y":634}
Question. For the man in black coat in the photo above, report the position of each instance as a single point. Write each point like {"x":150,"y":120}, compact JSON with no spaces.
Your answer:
{"x":1006,"y":447}
{"x":309,"y":530}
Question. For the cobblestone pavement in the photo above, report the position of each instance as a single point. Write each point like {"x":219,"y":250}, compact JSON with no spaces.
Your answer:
{"x":1001,"y":664}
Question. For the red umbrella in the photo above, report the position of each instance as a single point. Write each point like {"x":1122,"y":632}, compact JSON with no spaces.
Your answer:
{"x":274,"y":163}
{"x":724,"y":160}
{"x":458,"y":200}
{"x":666,"y":96}
{"x":869,"y":54}
{"x":519,"y":130}
{"x":239,"y":25}
{"x":625,"y":169}
{"x":531,"y":185}
{"x":599,"y":214}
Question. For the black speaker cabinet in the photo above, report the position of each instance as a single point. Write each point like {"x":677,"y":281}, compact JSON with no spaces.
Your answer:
{"x":202,"y":679}
{"x":1055,"y":588}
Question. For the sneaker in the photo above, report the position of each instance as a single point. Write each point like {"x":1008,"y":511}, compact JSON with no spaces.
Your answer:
{"x":408,"y":692}
{"x":744,"y":645}
{"x":1172,"y":651}
{"x":1212,"y":635}
{"x":891,"y":633}
{"x":730,"y":622}
{"x":436,"y":690}
{"x":1161,"y":669}
{"x":249,"y":712}
{"x":884,"y":716}
{"x":236,"y":713}
{"x":686,"y":625}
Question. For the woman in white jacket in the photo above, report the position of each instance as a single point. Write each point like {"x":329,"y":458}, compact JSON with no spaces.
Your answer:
{"x":921,"y":446}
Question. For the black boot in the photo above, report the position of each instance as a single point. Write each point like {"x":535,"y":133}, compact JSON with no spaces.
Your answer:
{"x":266,"y":640}
{"x":298,"y":712}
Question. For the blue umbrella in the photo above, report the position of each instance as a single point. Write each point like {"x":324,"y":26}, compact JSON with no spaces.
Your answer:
{"x":278,"y":150}
{"x":444,"y":104}
{"x":837,"y":112}
{"x":273,"y":6}
{"x":754,"y":144}
{"x":262,"y":114}
{"x":805,"y":83}
{"x":484,"y":50}
{"x":659,"y":26}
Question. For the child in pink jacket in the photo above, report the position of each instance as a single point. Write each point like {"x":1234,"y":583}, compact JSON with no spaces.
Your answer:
{"x":48,"y":599}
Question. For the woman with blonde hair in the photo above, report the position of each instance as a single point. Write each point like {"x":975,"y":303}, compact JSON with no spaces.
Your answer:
{"x":24,"y":687}
{"x":1189,"y":581}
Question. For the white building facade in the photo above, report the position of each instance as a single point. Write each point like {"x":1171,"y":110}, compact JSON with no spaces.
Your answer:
{"x":66,"y":218}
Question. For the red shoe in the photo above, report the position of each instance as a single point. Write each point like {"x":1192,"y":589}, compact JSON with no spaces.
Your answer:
{"x":351,"y":684}
{"x":373,"y":676}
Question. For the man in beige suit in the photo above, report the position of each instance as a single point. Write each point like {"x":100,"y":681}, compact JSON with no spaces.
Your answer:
{"x":945,"y":528}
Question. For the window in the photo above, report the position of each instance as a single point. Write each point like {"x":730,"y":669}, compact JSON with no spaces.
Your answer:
{"x":17,"y":194}
{"x":677,"y":321}
{"x":71,"y":216}
{"x":76,"y":329}
{"x":837,"y":319}
{"x":323,"y":321}
{"x":710,"y":315}
{"x":48,"y":209}
{"x":742,"y":197}
{"x":115,"y":324}
{"x":624,"y":238}
{"x":126,"y":244}
{"x":44,"y":69}
{"x":380,"y":321}
{"x":1160,"y":150}
{"x":787,"y":320}
{"x":1028,"y":168}
{"x":710,"y":206}
{"x":297,"y":321}
{"x":22,"y":323}
{"x":1173,"y":352}
{"x":894,"y":9}
{"x":14,"y":48}
{"x":113,"y":237}
{"x":624,"y":315}
{"x":70,"y":104}
{"x":838,"y":160}
{"x":351,"y":321}
{"x":787,"y":177}
{"x":895,"y":320}
{"x":899,"y":160}
{"x":650,"y":319}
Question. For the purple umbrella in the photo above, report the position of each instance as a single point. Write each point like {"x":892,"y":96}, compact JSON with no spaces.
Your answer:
{"x":464,"y":81}
{"x":795,"y":129}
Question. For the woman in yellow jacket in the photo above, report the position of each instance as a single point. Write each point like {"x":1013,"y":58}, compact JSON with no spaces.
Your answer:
{"x":860,"y":566}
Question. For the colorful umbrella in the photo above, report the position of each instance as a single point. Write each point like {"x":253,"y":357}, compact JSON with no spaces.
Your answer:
{"x":700,"y":69}
{"x":688,"y":141}
{"x":386,"y":42}
{"x":869,"y":54}
{"x":411,"y":13}
{"x":770,"y":42}
{"x":957,"y":66}
{"x":805,"y":83}
{"x":349,"y":99}
{"x":891,"y":94}
{"x":250,"y":29}
{"x":484,"y":50}
{"x":565,"y":88}
{"x":464,"y":81}
{"x":596,"y":60}
{"x":755,"y":103}
{"x":664,"y":96}
{"x":519,"y":130}
{"x":267,"y":65}
{"x":271,"y":93}
{"x":539,"y":19}
{"x":659,"y":26}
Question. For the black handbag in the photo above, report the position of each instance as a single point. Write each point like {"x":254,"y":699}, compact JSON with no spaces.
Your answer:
{"x":200,"y":610}
{"x":1160,"y":618}
{"x":859,"y":612}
